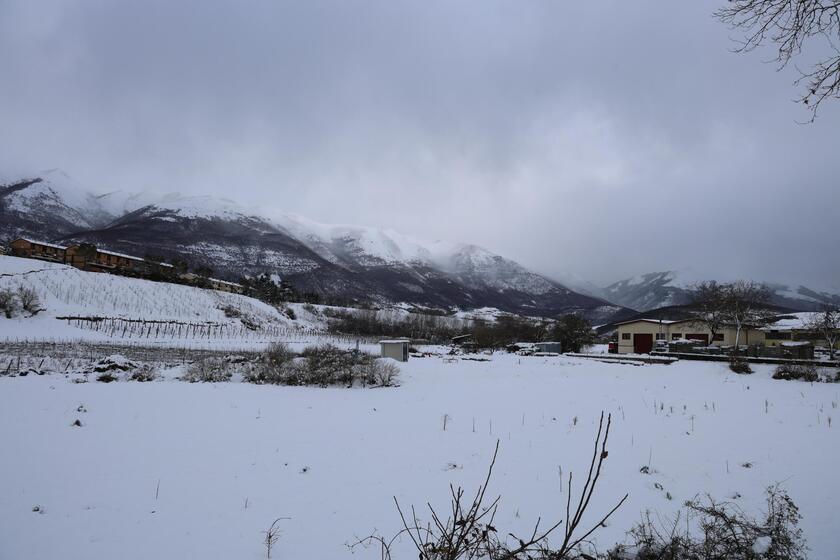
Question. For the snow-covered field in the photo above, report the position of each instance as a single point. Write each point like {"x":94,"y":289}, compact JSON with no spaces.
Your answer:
{"x":174,"y":470}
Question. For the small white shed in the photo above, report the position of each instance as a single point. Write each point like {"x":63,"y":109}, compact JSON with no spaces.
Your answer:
{"x":395,"y":349}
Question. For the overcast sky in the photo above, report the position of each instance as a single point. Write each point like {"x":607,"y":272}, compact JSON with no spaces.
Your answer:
{"x":602,"y":139}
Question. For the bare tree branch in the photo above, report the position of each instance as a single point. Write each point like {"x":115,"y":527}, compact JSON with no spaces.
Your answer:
{"x":789,"y":25}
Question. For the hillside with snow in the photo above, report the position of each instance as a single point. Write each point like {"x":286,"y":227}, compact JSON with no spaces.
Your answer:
{"x":344,"y":262}
{"x":96,"y":306}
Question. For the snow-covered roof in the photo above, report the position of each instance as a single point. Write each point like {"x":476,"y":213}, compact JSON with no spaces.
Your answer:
{"x":398,"y":341}
{"x":655,"y":321}
{"x":225,"y":282}
{"x":44,"y":243}
{"x":792,"y":321}
{"x":123,"y":255}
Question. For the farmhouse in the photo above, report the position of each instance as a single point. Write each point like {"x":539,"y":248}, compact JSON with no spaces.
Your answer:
{"x":225,"y":286}
{"x":31,"y":249}
{"x":88,"y":257}
{"x":639,"y":336}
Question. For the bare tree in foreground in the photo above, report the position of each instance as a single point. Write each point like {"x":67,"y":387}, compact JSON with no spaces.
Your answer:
{"x":826,"y":324}
{"x":789,"y":25}
{"x":467,"y":532}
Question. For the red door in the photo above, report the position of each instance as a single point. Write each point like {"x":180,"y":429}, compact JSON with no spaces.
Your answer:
{"x":703,"y":337}
{"x":642,"y":343}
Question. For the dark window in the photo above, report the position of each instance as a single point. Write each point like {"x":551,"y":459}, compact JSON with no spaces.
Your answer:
{"x":676,"y":336}
{"x":718,"y":337}
{"x":660,"y":336}
{"x":776,"y":335}
{"x":625,"y":336}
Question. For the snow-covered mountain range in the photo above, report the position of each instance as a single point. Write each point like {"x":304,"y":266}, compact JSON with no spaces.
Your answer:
{"x":664,"y":289}
{"x":343,"y":262}
{"x":337,"y":261}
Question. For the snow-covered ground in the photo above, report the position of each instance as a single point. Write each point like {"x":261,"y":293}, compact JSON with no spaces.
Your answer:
{"x":174,"y":470}
{"x":136,"y":311}
{"x":132,"y":310}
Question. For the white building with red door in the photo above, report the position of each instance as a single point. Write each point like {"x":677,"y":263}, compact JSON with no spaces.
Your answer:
{"x":639,"y":336}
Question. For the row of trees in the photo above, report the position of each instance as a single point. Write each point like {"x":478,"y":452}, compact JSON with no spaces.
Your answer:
{"x":572,"y":331}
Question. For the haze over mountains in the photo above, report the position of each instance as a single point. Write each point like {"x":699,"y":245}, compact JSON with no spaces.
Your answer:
{"x":664,"y":289}
{"x":346,"y":262}
{"x":338,"y":261}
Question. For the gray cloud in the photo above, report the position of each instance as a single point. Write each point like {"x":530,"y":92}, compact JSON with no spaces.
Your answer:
{"x":601,"y":139}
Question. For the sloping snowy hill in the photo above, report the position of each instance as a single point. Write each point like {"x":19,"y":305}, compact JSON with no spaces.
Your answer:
{"x":95,"y":305}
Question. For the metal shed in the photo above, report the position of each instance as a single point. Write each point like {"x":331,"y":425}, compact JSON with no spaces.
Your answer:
{"x":395,"y":349}
{"x":553,"y":347}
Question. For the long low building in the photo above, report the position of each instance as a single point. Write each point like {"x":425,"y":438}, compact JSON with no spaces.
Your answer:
{"x":639,"y":336}
{"x":89,"y":257}
{"x":31,"y":249}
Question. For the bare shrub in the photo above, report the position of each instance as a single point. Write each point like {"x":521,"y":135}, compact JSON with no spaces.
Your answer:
{"x":144,"y":373}
{"x":231,"y":312}
{"x":719,"y":530}
{"x":468,"y":533}
{"x":803,"y":372}
{"x":9,"y":304}
{"x":208,"y":370}
{"x":278,"y":354}
{"x":29,"y":300}
{"x":276,"y":366}
{"x":106,"y":377}
{"x":379,"y":372}
{"x":326,"y":365}
{"x":740,"y":366}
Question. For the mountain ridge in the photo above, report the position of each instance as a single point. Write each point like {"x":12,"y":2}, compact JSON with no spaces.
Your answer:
{"x":355,"y":263}
{"x":656,"y":290}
